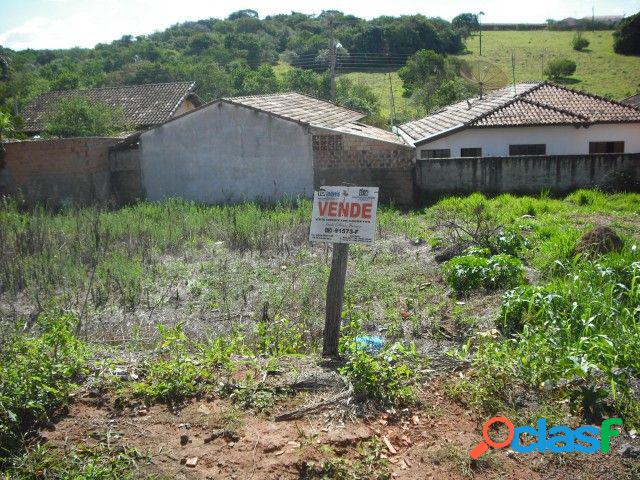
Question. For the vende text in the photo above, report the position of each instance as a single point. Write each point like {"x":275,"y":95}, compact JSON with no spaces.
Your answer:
{"x":345,"y":209}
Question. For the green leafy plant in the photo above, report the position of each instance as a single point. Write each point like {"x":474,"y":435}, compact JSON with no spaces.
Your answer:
{"x":384,"y":377}
{"x":175,"y":375}
{"x":278,"y":336}
{"x":471,"y":272}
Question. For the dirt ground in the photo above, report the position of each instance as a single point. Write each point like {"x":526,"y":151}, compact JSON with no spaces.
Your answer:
{"x":430,"y":441}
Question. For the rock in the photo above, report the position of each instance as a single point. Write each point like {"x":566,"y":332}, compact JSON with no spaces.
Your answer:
{"x":191,"y":462}
{"x":450,"y":251}
{"x":228,"y":435}
{"x":629,"y":451}
{"x":184,"y":439}
{"x":598,"y":241}
{"x":202,"y":408}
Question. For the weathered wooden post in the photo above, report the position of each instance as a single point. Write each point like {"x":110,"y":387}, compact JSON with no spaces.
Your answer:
{"x":341,"y":215}
{"x":335,"y":298}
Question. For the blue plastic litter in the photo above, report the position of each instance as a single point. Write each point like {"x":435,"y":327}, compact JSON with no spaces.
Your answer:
{"x":370,"y":344}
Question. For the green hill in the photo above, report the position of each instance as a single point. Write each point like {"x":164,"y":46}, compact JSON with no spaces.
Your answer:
{"x":599,"y":69}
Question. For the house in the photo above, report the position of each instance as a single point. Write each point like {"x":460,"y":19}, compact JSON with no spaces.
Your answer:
{"x":527,"y":119}
{"x":633,"y":100}
{"x":144,"y":106}
{"x":526,"y":138}
{"x":264,"y":147}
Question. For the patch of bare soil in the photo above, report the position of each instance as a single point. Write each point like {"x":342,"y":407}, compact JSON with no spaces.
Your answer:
{"x":212,"y":439}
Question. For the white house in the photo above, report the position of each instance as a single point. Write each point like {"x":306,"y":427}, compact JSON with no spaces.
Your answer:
{"x":527,"y":119}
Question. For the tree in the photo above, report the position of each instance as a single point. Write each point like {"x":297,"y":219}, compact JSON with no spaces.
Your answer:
{"x":627,"y":36}
{"x":579,"y":43}
{"x":78,"y":117}
{"x":426,"y":67}
{"x":560,"y":68}
{"x":465,"y":23}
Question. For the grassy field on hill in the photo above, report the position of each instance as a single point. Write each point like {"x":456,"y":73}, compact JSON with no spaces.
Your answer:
{"x":599,"y":69}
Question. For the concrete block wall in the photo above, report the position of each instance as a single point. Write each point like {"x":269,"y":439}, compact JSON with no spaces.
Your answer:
{"x":527,"y":174}
{"x":351,"y":159}
{"x":59,"y":171}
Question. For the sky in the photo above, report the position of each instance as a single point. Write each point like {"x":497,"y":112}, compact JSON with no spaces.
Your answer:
{"x":83,"y":23}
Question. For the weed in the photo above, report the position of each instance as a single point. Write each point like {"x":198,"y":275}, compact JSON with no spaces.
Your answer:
{"x":369,"y":464}
{"x":37,"y":375}
{"x":100,"y":462}
{"x":173,"y":377}
{"x":384,"y":377}
{"x":471,"y":272}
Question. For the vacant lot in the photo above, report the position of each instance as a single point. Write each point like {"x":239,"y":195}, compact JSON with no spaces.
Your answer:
{"x":599,"y":69}
{"x":181,"y":340}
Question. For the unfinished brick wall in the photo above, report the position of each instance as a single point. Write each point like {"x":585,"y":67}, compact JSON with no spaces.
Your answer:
{"x":126,"y":181}
{"x":345,"y":158}
{"x":61,"y":171}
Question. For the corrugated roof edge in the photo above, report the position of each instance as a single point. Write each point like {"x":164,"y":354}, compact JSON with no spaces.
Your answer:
{"x":402,"y":141}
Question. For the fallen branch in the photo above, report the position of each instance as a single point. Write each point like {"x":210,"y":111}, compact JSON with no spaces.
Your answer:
{"x":301,"y":412}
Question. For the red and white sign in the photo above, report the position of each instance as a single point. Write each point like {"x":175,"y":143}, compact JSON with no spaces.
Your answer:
{"x":344,"y":215}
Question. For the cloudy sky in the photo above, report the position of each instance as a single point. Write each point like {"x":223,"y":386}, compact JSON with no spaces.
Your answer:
{"x":68,"y":23}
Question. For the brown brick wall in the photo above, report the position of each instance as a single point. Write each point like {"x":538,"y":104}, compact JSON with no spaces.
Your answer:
{"x":345,"y":158}
{"x":73,"y":170}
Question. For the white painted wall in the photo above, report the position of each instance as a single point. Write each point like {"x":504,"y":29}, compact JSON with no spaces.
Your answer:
{"x":559,"y":140}
{"x":226,"y":153}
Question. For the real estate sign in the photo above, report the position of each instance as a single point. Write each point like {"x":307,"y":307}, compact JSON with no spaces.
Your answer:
{"x":344,"y":215}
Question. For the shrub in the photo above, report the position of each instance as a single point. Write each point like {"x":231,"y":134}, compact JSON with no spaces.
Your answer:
{"x":627,"y":36}
{"x":37,"y":375}
{"x":579,"y":43}
{"x":560,"y":68}
{"x":383,"y":377}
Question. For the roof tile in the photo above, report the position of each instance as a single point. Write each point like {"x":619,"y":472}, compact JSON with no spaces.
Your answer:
{"x":143,"y":105}
{"x":530,"y":104}
{"x":301,"y":108}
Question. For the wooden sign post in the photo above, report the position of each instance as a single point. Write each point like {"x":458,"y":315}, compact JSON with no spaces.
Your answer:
{"x":341,"y":215}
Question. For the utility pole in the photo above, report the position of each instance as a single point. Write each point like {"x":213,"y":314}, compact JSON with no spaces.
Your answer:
{"x":513,"y":70}
{"x":332,"y":56}
{"x":480,"y":29}
{"x":392,"y":103}
{"x":593,"y":18}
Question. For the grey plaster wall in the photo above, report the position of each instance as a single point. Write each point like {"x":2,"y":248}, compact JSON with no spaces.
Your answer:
{"x":226,"y":153}
{"x":527,"y":174}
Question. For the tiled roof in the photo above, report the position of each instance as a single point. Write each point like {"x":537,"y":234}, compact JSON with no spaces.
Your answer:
{"x":143,"y":105}
{"x":531,"y":104}
{"x":632,"y":100}
{"x":301,"y":108}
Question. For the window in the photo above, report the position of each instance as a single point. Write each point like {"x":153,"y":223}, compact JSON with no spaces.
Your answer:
{"x":528,"y":149}
{"x":606,"y":147}
{"x":428,"y":154}
{"x":470,"y":152}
